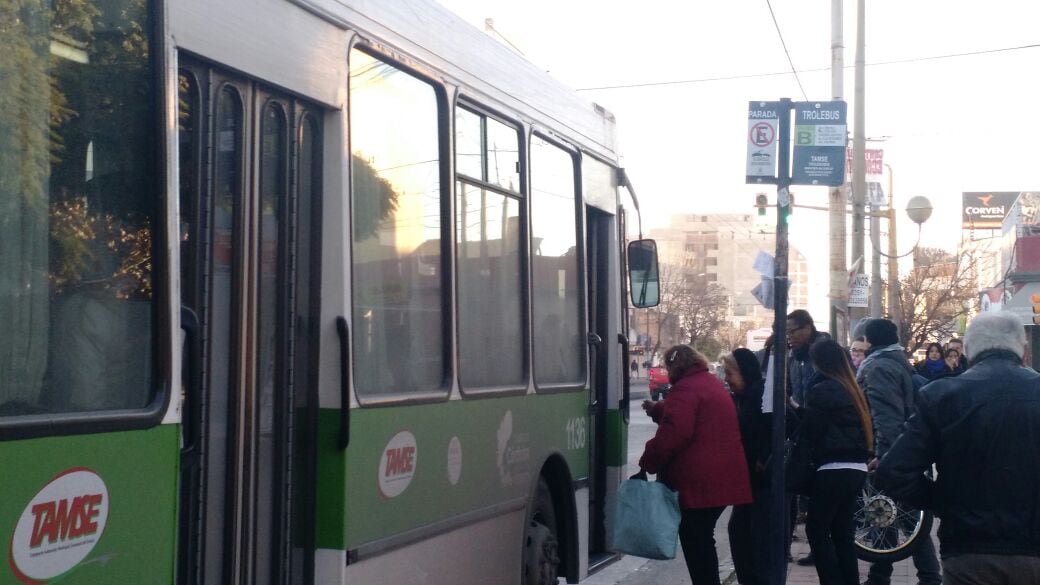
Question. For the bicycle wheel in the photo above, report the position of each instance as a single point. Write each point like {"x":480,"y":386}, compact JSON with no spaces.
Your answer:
{"x":885,"y":531}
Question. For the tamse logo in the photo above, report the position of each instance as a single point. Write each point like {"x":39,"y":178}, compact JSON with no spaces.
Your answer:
{"x":61,"y":520}
{"x":59,"y":527}
{"x":397,"y":464}
{"x":400,"y":460}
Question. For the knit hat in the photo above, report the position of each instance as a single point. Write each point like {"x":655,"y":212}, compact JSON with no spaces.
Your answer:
{"x":881,"y":332}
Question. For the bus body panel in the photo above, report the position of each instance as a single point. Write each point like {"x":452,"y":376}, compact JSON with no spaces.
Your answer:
{"x":123,"y":528}
{"x":262,"y":38}
{"x":470,"y":455}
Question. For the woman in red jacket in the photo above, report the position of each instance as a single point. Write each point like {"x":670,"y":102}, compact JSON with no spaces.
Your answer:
{"x":697,"y":452}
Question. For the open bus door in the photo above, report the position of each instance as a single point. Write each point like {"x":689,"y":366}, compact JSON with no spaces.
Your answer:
{"x":250,"y":159}
{"x":599,"y":242}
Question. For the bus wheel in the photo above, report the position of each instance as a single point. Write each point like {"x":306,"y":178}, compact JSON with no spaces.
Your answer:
{"x":541,"y":547}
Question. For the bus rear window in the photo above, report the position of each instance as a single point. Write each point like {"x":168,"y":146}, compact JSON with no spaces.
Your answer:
{"x":77,"y":208}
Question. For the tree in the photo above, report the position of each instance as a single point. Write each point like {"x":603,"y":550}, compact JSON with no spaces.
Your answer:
{"x":375,"y":198}
{"x":734,"y":333}
{"x":938,"y":292}
{"x":701,"y":309}
{"x":710,"y":347}
{"x":691,"y":307}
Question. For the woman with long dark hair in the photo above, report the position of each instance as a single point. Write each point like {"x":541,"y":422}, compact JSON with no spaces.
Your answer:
{"x":837,"y":430}
{"x":934,"y":365}
{"x":749,"y":523}
{"x":697,"y":452}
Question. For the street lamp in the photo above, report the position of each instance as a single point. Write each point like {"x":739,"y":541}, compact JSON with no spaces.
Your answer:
{"x":919,"y":209}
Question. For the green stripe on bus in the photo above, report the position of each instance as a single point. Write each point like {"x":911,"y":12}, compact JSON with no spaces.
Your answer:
{"x":441,"y":460}
{"x":329,"y":524}
{"x":617,"y":439}
{"x":139,"y":470}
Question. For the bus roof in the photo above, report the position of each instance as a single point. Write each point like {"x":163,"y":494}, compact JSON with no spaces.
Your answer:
{"x":438,"y":43}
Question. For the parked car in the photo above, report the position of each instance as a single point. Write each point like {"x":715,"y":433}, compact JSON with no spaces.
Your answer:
{"x":658,"y":381}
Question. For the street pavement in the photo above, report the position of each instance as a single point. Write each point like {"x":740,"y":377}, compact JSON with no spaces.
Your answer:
{"x":638,"y":571}
{"x":902,"y":572}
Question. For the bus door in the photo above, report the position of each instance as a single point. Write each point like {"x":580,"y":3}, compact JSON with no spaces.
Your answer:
{"x":600,"y":344}
{"x":249,"y":175}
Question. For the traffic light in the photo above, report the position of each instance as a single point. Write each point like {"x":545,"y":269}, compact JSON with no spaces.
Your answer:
{"x":1035,"y":297}
{"x":761,"y":202}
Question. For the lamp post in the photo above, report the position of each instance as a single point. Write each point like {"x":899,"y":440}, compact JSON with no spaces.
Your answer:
{"x":893,"y":263}
{"x":918,"y":209}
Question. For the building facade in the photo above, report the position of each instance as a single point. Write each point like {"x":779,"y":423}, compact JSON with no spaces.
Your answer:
{"x":717,"y":252}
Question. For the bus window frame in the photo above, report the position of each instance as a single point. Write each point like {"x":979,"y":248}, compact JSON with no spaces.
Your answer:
{"x":580,"y":228}
{"x":444,"y":151}
{"x":163,"y":76}
{"x":520,"y":197}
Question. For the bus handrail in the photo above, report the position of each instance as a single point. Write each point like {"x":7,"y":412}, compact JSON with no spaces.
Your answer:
{"x":190,"y":415}
{"x":626,"y":385}
{"x":344,"y":381}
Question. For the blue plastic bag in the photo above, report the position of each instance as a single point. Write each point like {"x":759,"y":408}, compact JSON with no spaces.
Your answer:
{"x":646,"y":522}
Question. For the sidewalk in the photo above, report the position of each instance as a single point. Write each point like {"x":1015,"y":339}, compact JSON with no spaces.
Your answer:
{"x":903,"y":572}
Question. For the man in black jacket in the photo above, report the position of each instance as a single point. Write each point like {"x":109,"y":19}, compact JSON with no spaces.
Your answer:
{"x":982,"y":430}
{"x":887,"y":379}
{"x":801,"y":334}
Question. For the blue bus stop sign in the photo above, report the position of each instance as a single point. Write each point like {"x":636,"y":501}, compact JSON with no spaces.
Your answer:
{"x":819,"y":143}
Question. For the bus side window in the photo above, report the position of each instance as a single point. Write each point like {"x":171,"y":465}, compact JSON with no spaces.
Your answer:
{"x":488,"y":233}
{"x":78,"y":204}
{"x":398,"y":324}
{"x":559,"y":348}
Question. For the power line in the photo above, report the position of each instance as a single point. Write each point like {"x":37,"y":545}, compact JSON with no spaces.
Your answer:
{"x":814,"y":70}
{"x":786,"y":52}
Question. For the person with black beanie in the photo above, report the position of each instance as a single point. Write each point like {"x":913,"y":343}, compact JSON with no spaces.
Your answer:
{"x":749,"y":523}
{"x":887,"y":379}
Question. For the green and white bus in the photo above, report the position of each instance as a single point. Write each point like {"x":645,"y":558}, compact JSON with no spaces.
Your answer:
{"x":302,"y":291}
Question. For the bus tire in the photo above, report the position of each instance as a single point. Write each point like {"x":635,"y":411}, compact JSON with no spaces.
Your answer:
{"x":541,"y":543}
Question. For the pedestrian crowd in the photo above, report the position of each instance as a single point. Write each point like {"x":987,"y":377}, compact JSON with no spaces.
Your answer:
{"x":957,"y":433}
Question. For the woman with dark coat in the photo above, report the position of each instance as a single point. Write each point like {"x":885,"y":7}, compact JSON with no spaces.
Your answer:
{"x":934,"y":366}
{"x":837,"y":430}
{"x":749,"y":523}
{"x":697,"y":452}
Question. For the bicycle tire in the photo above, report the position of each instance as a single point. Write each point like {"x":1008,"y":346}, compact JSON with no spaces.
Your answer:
{"x":885,"y":531}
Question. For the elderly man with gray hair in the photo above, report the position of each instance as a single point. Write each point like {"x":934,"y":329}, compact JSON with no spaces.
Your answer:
{"x":982,"y":431}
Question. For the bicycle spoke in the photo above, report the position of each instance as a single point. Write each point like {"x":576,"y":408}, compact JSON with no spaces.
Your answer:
{"x":909,"y":521}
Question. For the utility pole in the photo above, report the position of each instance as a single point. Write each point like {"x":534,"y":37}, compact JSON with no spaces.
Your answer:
{"x":894,"y":310}
{"x":839,"y":285}
{"x":875,"y":261}
{"x":778,"y":529}
{"x":858,"y":148}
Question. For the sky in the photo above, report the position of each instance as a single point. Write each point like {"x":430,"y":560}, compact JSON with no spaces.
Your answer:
{"x":946,"y":125}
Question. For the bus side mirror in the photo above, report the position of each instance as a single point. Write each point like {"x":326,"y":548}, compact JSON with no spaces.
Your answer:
{"x":643,"y":280}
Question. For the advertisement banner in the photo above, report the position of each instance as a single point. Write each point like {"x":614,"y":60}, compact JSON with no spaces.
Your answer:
{"x":875,"y":163}
{"x":986,"y":210}
{"x":859,"y":292}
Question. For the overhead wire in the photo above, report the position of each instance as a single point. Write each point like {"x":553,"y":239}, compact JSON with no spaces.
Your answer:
{"x":813,"y":70}
{"x":786,"y":52}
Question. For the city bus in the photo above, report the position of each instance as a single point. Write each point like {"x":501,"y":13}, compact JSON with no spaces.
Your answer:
{"x":303,"y":291}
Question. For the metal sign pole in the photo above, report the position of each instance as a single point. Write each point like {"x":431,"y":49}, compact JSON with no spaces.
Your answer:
{"x":778,"y":517}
